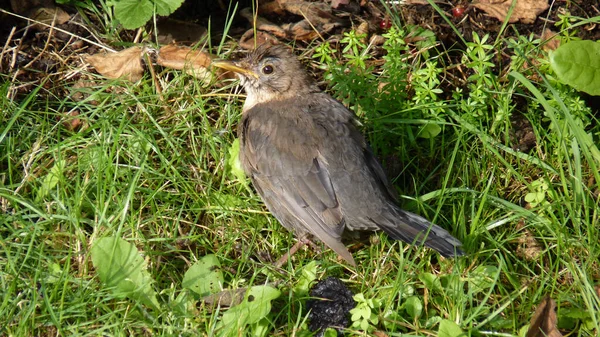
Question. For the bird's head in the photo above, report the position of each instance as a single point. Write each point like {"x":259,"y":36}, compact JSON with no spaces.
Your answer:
{"x":270,"y":73}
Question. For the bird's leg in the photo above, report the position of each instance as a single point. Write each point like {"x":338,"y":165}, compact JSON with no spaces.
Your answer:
{"x":303,"y":240}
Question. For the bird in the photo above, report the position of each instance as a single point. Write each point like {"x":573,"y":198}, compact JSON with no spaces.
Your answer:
{"x":308,"y":160}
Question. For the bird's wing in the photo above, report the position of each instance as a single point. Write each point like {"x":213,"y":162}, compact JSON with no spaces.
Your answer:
{"x":280,"y":153}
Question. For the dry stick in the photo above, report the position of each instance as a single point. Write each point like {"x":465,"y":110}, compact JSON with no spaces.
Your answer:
{"x":301,"y":242}
{"x":157,"y":85}
{"x":39,"y":55}
{"x":12,"y":33}
{"x":13,"y":62}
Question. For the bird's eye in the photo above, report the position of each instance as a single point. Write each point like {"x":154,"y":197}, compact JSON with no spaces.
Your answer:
{"x":268,"y":69}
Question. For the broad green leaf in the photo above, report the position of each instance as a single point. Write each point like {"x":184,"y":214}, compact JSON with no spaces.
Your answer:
{"x":166,"y":7}
{"x":482,"y":278}
{"x":133,"y":13}
{"x":120,"y":266}
{"x":183,"y":304}
{"x":449,"y":329}
{"x":260,"y":328}
{"x":52,"y":178}
{"x":452,"y":283}
{"x":204,"y":277}
{"x":308,"y":275}
{"x":577,"y":63}
{"x":255,"y":306}
{"x":430,"y":130}
{"x":413,"y":307}
{"x":330,"y":332}
{"x":431,"y":282}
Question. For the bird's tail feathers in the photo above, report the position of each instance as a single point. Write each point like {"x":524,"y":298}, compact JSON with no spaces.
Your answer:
{"x":414,"y":229}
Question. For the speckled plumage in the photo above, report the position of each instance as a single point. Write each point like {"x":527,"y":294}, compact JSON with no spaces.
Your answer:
{"x":310,"y":163}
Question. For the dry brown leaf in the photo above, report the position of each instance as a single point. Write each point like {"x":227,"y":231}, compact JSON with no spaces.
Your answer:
{"x":48,"y":15}
{"x":302,"y":31}
{"x":525,"y":11}
{"x":529,"y":248}
{"x":550,"y":39}
{"x":193,"y":62}
{"x":79,"y":92}
{"x":179,"y":57}
{"x":338,"y":3}
{"x":226,"y":298}
{"x":543,"y":322}
{"x":249,"y":42}
{"x":72,"y":122}
{"x":262,"y":23}
{"x":272,"y":7}
{"x":126,"y":63}
{"x":317,"y":13}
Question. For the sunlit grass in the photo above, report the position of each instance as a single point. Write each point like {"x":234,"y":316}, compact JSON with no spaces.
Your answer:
{"x":152,"y":169}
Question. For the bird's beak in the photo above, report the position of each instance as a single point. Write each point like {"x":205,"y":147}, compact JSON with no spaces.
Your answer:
{"x":231,"y":66}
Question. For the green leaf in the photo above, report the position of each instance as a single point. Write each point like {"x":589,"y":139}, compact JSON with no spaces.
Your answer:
{"x":204,"y":277}
{"x":429,"y":130}
{"x":482,"y":278}
{"x":166,"y":7}
{"x":255,"y":306}
{"x":260,"y":328}
{"x":449,"y":329}
{"x":52,"y":178}
{"x":308,"y":275}
{"x":133,"y":13}
{"x":431,"y":282}
{"x":577,"y":63}
{"x":413,"y":307}
{"x":120,"y":266}
{"x":329,"y":332}
{"x":233,"y":162}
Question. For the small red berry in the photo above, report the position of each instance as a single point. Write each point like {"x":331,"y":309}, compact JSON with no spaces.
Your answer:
{"x":458,"y":11}
{"x":385,"y":24}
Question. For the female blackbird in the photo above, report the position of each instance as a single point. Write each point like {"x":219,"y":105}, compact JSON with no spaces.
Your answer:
{"x":310,"y":163}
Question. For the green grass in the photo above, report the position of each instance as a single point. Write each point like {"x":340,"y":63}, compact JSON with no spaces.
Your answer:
{"x":153,"y":171}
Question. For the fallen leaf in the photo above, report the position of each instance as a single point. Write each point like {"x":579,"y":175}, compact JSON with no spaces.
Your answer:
{"x":80,"y":92}
{"x":126,"y":63}
{"x":261,"y":23}
{"x":48,"y":16}
{"x":317,"y":13}
{"x":543,"y":322}
{"x":550,"y":40}
{"x":249,"y":41}
{"x":71,"y":121}
{"x":226,"y":298}
{"x":179,"y":57}
{"x":529,"y":248}
{"x":379,"y":333}
{"x":338,"y":3}
{"x":193,"y":62}
{"x":302,"y":31}
{"x":272,"y":7}
{"x":318,"y":19}
{"x":525,"y":11}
